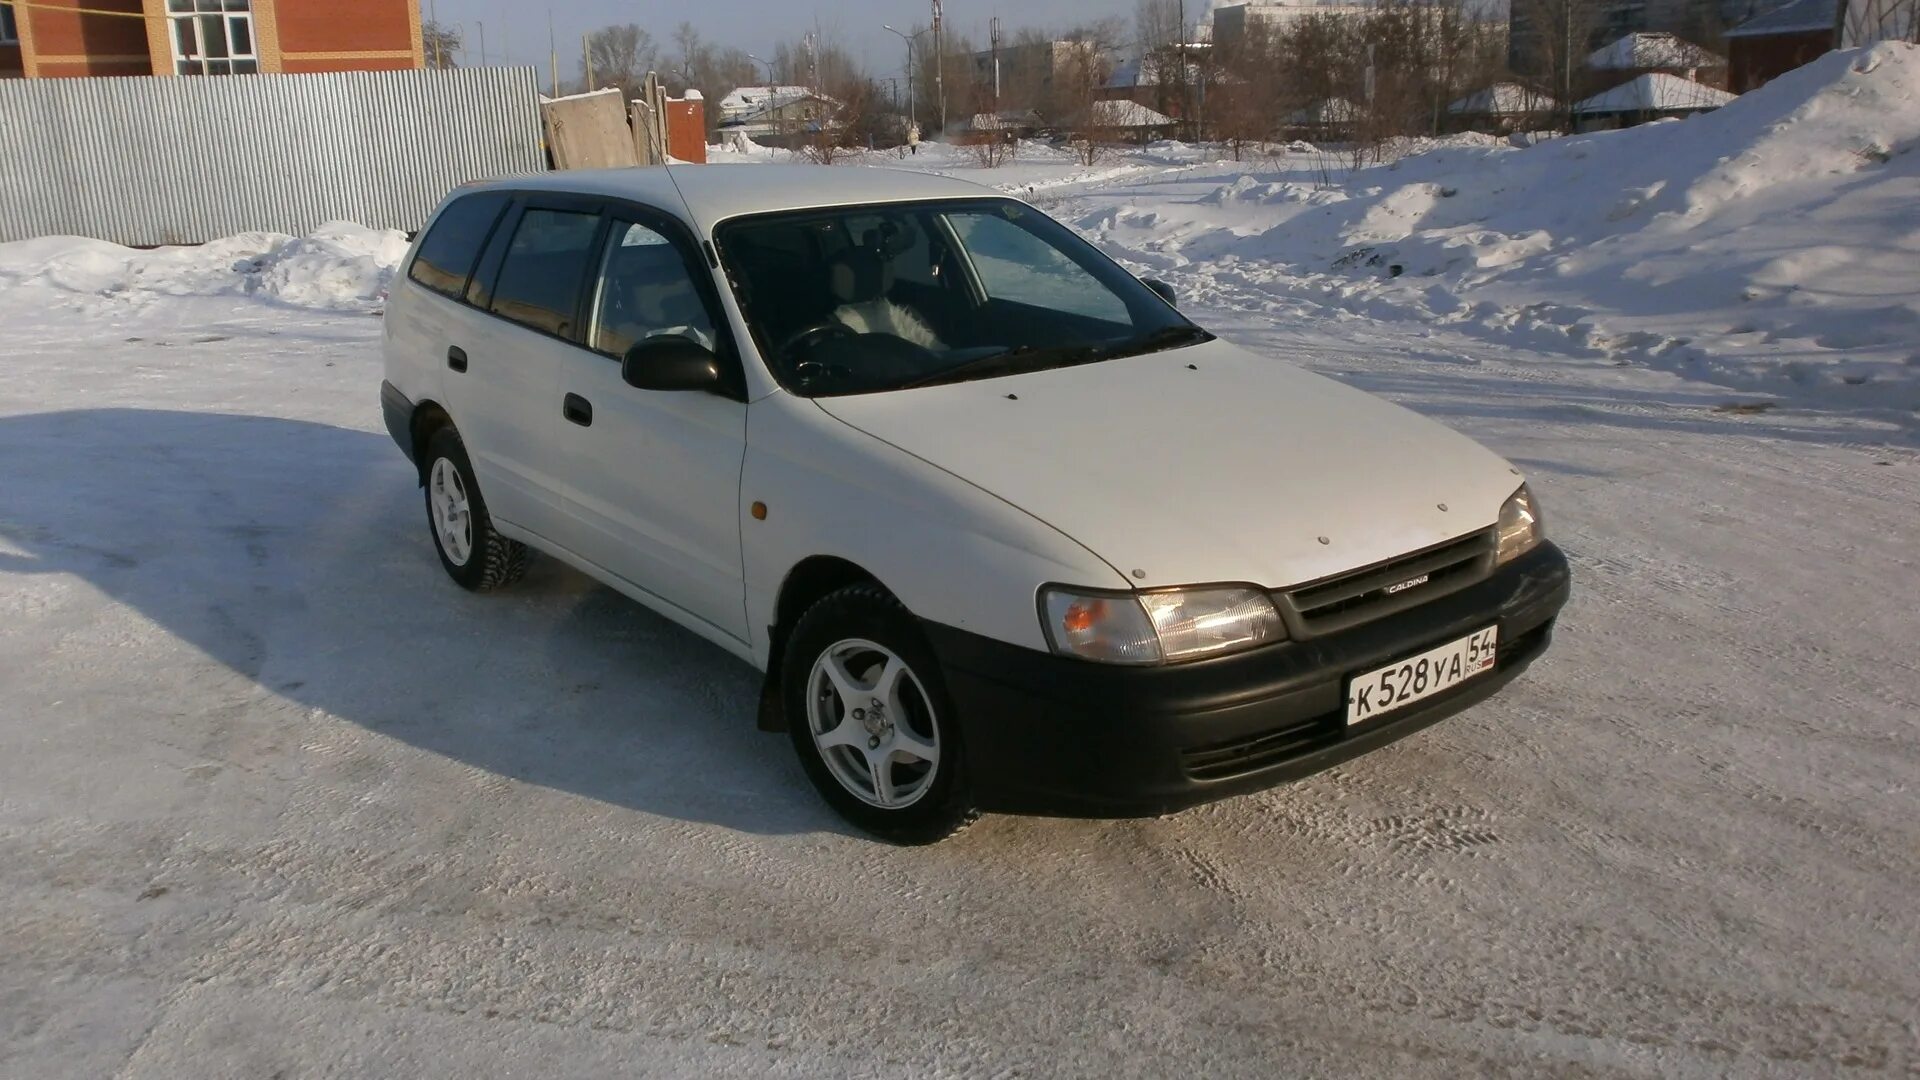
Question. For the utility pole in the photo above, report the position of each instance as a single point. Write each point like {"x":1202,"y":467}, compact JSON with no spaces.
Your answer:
{"x":586,"y":62}
{"x":483,"y":43}
{"x":433,"y":16}
{"x":553,"y":54}
{"x":993,"y":39}
{"x":940,"y":66}
{"x":1180,"y":58}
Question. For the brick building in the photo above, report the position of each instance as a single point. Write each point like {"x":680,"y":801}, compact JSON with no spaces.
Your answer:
{"x":206,"y":37}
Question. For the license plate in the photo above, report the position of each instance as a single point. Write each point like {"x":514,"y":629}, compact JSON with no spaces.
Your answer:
{"x":1398,"y":685}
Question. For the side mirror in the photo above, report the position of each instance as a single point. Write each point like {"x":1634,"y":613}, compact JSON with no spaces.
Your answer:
{"x":671,"y":362}
{"x":1163,"y":290}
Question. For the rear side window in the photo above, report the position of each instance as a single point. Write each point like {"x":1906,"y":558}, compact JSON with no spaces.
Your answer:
{"x":452,"y":246}
{"x":540,"y":280}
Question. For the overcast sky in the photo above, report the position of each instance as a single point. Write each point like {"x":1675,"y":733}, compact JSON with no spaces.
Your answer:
{"x":516,"y":30}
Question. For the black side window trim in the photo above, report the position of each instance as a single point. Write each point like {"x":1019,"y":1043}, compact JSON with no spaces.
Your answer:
{"x":493,"y":227}
{"x":692,"y":256}
{"x":486,"y":274}
{"x":481,"y":299}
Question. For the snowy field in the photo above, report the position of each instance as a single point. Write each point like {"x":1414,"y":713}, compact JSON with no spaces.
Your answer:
{"x":278,"y":799}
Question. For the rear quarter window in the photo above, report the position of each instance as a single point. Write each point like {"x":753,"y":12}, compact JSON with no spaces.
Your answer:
{"x":447,"y":255}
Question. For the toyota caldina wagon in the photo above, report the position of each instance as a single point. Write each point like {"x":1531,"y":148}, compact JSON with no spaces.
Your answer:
{"x":1004,"y":530}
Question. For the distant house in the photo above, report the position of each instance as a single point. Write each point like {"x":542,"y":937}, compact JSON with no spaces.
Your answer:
{"x":1653,"y":96}
{"x":775,"y":114}
{"x":1504,"y":106}
{"x":1331,"y":118}
{"x":1647,"y":51}
{"x":1771,"y":44}
{"x":1131,"y":121}
{"x":1005,"y":124}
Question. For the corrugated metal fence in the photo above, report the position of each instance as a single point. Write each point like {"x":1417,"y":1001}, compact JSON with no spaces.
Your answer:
{"x":186,"y":160}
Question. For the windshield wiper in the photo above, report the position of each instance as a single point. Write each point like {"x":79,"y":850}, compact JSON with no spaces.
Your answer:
{"x":1167,"y":337}
{"x":1019,"y":358}
{"x":1023,"y":358}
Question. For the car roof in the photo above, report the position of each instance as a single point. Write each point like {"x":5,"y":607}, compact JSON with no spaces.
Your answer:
{"x":713,"y":193}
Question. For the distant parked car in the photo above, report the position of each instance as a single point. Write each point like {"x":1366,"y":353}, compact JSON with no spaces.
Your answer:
{"x":1004,"y":530}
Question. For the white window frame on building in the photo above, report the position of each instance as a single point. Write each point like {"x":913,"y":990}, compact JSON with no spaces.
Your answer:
{"x":9,"y":31}
{"x":212,"y":37}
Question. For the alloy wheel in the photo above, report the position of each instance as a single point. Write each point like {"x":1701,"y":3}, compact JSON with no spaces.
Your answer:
{"x":873,"y":723}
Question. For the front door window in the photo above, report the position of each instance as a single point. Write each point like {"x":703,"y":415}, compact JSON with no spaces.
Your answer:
{"x":646,"y":291}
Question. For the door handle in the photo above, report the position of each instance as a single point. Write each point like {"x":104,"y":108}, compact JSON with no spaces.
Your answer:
{"x":577,"y":409}
{"x":456,"y":358}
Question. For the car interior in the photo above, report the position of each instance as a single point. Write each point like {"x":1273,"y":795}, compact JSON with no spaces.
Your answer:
{"x":875,"y":298}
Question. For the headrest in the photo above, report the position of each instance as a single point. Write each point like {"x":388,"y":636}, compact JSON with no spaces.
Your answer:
{"x":858,"y":275}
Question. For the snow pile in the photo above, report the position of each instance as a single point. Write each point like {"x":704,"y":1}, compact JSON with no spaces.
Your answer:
{"x":1772,"y":244}
{"x":339,"y":266}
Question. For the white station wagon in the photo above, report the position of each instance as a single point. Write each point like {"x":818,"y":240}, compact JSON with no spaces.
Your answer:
{"x":1004,"y":530}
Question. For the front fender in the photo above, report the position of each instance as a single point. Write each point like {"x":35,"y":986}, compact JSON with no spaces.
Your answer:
{"x":950,"y":551}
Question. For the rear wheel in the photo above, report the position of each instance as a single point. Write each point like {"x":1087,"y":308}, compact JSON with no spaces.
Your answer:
{"x":472,"y":552}
{"x":871,"y":720}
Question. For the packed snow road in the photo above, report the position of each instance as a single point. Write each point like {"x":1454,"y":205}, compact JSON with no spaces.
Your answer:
{"x":277,"y":799}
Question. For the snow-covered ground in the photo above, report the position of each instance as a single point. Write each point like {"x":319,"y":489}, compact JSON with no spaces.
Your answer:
{"x":275,"y":797}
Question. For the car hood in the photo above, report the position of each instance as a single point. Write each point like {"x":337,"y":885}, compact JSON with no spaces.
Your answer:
{"x":1203,"y":464}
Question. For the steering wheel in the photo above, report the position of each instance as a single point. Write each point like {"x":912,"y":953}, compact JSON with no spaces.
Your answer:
{"x":812,"y":337}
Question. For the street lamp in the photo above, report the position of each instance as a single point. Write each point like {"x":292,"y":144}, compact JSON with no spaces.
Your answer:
{"x":773,"y":99}
{"x":913,"y":92}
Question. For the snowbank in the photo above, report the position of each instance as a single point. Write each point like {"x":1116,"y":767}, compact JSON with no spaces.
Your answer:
{"x":339,"y":266}
{"x":1772,"y":244}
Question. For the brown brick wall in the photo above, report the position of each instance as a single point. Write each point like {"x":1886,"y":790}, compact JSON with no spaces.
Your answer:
{"x":687,"y":130}
{"x":346,"y":26}
{"x":1756,"y":61}
{"x":69,"y":45}
{"x":294,"y":65}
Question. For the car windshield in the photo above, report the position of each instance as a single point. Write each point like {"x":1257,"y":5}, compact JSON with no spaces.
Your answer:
{"x":853,"y":300}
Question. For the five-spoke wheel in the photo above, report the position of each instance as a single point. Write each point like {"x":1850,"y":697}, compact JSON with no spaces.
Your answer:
{"x":871,"y":720}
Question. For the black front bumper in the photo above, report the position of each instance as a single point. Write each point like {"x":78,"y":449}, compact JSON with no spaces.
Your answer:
{"x":1046,"y":734}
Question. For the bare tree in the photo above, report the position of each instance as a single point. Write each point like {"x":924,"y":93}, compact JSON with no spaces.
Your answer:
{"x":1081,"y":108}
{"x":1247,"y":100}
{"x":1166,"y":64}
{"x":955,"y":67}
{"x":1863,"y":22}
{"x":441,"y":43}
{"x":714,"y":71}
{"x":621,"y":56}
{"x":1551,"y":39}
{"x":847,"y":116}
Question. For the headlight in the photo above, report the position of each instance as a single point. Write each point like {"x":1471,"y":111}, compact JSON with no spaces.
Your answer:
{"x":1520,"y":528}
{"x":1149,"y":628}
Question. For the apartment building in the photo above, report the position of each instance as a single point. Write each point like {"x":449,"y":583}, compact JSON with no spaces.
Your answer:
{"x":70,"y":38}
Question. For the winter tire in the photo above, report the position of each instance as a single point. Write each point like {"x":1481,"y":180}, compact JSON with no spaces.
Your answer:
{"x":474,"y":555}
{"x":871,"y":720}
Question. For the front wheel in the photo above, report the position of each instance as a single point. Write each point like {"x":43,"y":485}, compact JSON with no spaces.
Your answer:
{"x":871,"y":720}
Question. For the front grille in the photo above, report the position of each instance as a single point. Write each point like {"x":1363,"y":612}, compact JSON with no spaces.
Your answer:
{"x":1359,"y":596}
